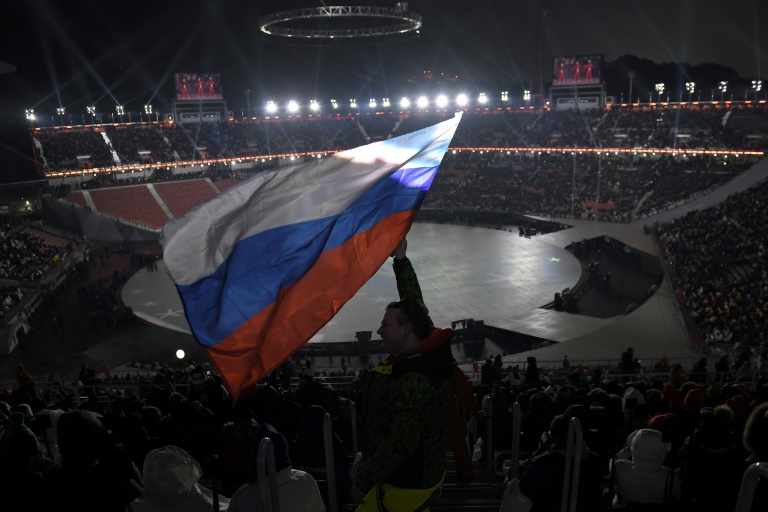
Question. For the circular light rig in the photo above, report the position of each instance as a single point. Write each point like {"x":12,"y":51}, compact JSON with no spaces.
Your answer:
{"x":332,"y":23}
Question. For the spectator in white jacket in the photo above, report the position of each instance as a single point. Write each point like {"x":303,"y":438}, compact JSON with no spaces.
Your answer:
{"x":639,"y":473}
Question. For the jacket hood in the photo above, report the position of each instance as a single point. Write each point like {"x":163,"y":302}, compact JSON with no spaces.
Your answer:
{"x":648,"y":450}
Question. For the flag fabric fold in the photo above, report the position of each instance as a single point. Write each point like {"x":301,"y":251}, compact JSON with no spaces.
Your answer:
{"x":263,"y":266}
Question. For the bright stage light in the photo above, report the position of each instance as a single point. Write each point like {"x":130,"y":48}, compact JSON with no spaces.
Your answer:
{"x":422,"y":102}
{"x":91,"y":110}
{"x":526,"y":95}
{"x":405,"y":102}
{"x":334,"y":104}
{"x":29,"y":113}
{"x":504,"y":95}
{"x":441,"y":101}
{"x":372,"y":103}
{"x":271,"y":107}
{"x":60,"y":111}
{"x":120,"y":110}
{"x":482,"y":99}
{"x":314,"y":106}
{"x":461,"y":100}
{"x":147,"y":109}
{"x":293,"y":107}
{"x":352,"y":103}
{"x":385,"y":102}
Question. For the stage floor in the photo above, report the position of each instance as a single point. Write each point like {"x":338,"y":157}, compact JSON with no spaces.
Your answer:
{"x":465,"y":272}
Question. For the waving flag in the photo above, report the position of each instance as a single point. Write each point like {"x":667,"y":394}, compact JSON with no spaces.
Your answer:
{"x":263,"y":266}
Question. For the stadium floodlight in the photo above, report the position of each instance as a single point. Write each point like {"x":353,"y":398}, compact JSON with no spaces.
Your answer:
{"x":722,"y":88}
{"x":293,"y":107}
{"x":372,"y":103}
{"x":271,"y":107}
{"x":660,"y":90}
{"x":314,"y":106}
{"x":91,"y":110}
{"x":757,"y":85}
{"x":29,"y":113}
{"x":60,"y":111}
{"x":148,"y":109}
{"x":690,"y":87}
{"x":461,"y":99}
{"x":405,"y":102}
{"x":441,"y":101}
{"x":120,"y":110}
{"x":385,"y":102}
{"x":526,"y":95}
{"x":334,"y":104}
{"x":482,"y":99}
{"x":352,"y":103}
{"x":504,"y":95}
{"x":422,"y":102}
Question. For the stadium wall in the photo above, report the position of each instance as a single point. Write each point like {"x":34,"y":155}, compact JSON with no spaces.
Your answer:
{"x":91,"y":226}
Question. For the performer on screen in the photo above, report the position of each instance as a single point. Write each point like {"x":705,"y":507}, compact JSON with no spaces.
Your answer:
{"x":588,"y":66}
{"x":211,"y":87}
{"x":199,"y":86}
{"x":561,"y":72}
{"x":577,"y":71}
{"x":184,"y":89}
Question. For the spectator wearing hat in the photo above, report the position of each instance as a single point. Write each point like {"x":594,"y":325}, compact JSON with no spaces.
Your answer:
{"x":712,"y":445}
{"x":542,"y":477}
{"x":296,"y":489}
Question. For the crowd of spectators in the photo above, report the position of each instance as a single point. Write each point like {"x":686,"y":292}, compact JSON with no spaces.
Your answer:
{"x":718,"y":261}
{"x":115,"y":438}
{"x":23,"y":256}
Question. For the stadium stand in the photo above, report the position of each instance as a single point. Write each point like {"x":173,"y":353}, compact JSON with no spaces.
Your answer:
{"x":180,"y":196}
{"x":134,"y":204}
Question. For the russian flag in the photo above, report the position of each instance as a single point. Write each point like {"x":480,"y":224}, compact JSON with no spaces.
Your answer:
{"x":263,"y":266}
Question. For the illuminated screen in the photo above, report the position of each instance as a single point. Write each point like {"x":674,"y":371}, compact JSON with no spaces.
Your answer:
{"x":198,"y":86}
{"x":577,"y":70}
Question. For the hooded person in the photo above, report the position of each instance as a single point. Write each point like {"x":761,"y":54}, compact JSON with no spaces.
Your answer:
{"x":296,"y":489}
{"x":171,"y":478}
{"x":94,"y":473}
{"x":642,"y":478}
{"x":20,"y":485}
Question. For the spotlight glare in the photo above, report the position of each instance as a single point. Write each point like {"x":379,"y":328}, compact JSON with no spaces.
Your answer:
{"x":271,"y":107}
{"x":441,"y":101}
{"x":461,"y":99}
{"x":405,"y":102}
{"x":422,"y":102}
{"x":293,"y":107}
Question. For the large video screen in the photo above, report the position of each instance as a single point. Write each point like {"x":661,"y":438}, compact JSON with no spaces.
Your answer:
{"x":198,"y":86}
{"x":577,"y":70}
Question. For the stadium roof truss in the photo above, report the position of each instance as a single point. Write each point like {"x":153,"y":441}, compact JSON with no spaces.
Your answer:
{"x":402,"y":22}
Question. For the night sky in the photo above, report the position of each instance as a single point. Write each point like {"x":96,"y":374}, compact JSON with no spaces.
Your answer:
{"x":78,"y":52}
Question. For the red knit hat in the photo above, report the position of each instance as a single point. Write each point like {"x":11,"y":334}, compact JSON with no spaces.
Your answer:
{"x":661,"y":422}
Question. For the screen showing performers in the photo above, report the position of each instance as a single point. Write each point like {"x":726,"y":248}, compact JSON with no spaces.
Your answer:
{"x":198,"y":86}
{"x":577,"y":70}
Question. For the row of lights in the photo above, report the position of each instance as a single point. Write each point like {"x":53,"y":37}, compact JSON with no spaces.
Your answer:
{"x":29,"y":113}
{"x":757,"y":85}
{"x":440,"y":101}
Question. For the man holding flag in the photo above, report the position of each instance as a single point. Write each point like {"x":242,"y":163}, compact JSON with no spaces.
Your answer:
{"x":263,"y":266}
{"x":404,"y":427}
